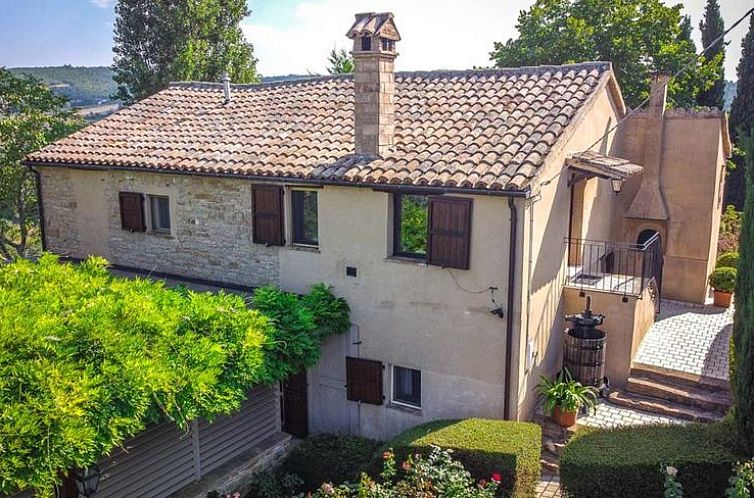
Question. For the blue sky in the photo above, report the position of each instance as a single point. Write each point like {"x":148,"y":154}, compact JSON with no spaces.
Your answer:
{"x":294,"y":36}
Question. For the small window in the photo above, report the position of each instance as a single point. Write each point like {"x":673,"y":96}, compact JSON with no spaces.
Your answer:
{"x":387,"y":45}
{"x":304,"y":217}
{"x":366,"y":43}
{"x":410,"y":225}
{"x":159,"y":209}
{"x":407,"y":386}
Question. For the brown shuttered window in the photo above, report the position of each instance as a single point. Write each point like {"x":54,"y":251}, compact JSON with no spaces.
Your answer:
{"x":449,"y":232}
{"x":267,"y":207}
{"x":132,"y":211}
{"x":364,"y":380}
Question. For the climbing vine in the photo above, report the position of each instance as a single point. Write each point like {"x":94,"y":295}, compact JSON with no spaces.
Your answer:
{"x":88,"y":360}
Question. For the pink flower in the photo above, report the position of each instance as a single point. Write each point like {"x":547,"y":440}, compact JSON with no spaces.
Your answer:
{"x":483,"y":483}
{"x":387,"y":455}
{"x":496,"y":477}
{"x":406,"y":466}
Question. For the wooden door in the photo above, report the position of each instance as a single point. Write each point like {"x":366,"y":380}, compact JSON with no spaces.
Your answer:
{"x":295,"y":405}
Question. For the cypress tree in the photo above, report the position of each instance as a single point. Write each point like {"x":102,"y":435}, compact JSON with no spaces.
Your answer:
{"x":712,"y":28}
{"x":741,"y":117}
{"x":743,"y":322}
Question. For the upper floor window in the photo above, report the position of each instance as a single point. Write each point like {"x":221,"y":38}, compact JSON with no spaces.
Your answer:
{"x":304,"y":217}
{"x":159,"y":211}
{"x":366,"y":43}
{"x":436,"y":229}
{"x":410,"y":217}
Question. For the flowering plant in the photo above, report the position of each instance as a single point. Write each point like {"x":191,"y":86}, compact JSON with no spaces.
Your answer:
{"x":671,"y":487}
{"x":437,"y":475}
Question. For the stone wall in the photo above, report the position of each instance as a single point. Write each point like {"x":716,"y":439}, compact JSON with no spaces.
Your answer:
{"x":210,"y":235}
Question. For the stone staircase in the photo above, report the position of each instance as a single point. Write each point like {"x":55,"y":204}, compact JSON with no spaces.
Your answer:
{"x":674,"y":394}
{"x":554,"y":439}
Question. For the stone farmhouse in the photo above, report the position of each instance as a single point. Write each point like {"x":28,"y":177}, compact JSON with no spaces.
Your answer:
{"x":461,"y":214}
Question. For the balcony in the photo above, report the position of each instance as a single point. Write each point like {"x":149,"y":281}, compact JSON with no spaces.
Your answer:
{"x":615,"y":267}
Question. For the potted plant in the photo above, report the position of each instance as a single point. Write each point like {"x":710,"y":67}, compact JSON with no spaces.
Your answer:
{"x":564,"y":397}
{"x":728,"y":259}
{"x":723,"y":282}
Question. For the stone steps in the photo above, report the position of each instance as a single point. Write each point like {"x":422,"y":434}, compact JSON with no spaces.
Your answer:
{"x":678,"y":378}
{"x":662,"y":407}
{"x":554,"y":439}
{"x":695,"y":397}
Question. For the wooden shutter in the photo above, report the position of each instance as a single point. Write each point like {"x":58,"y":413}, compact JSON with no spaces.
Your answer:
{"x":132,"y":211}
{"x":267,"y":213}
{"x":364,"y":380}
{"x":449,"y":232}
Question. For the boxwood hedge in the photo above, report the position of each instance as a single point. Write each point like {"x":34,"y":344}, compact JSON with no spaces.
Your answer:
{"x":483,"y":446}
{"x":628,"y":462}
{"x":329,"y":458}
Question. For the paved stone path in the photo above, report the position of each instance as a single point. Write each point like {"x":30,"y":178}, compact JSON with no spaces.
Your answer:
{"x":609,"y":416}
{"x":689,"y":338}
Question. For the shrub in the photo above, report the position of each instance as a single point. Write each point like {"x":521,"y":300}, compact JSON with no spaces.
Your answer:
{"x":723,"y":279}
{"x":484,"y":447}
{"x":329,"y":458}
{"x":87,"y":360}
{"x":728,"y":260}
{"x":626,"y":462}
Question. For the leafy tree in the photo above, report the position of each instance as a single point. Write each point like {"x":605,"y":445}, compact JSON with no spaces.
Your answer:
{"x":637,"y":36}
{"x":88,"y":360}
{"x":742,"y":117}
{"x":31,"y":116}
{"x":712,"y":28}
{"x":743,"y":321}
{"x":158,"y":41}
{"x":340,"y":62}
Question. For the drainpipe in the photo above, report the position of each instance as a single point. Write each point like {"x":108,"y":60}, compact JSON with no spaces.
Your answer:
{"x":40,"y":208}
{"x":511,"y":299}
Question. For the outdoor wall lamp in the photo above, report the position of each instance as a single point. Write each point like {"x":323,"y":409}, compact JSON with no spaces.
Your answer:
{"x":87,"y":481}
{"x":617,"y":185}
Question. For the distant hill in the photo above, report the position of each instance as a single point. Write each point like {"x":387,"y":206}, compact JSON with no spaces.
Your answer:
{"x":84,"y":86}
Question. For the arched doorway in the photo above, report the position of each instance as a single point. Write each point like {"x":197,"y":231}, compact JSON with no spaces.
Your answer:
{"x":646,"y":235}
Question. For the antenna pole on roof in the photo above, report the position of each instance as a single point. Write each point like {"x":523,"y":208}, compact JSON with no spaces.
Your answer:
{"x":226,"y":86}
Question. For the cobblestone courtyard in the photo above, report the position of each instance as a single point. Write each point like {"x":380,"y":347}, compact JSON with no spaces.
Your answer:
{"x":689,"y":338}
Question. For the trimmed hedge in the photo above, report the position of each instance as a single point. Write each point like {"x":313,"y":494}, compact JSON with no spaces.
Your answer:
{"x":483,"y":447}
{"x":728,"y":259}
{"x":627,"y":462}
{"x":329,"y":458}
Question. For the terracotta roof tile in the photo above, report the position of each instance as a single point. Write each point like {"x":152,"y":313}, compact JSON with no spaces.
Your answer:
{"x":481,"y":129}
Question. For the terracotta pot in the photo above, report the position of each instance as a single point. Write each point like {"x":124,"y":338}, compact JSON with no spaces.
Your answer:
{"x":722,"y":299}
{"x":563,"y":418}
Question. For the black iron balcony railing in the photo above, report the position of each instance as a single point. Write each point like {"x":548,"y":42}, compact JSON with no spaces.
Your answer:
{"x":616,"y":267}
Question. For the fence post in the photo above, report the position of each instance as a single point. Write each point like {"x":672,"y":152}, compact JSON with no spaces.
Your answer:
{"x":195,"y":449}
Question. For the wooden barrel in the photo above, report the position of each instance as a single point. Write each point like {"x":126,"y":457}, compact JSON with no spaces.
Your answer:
{"x":584,"y":355}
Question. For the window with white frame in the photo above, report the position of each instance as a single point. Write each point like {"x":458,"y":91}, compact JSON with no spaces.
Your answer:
{"x":159,"y":213}
{"x":407,"y":386}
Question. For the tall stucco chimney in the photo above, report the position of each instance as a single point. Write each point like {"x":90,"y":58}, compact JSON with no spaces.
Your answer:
{"x":374,"y":36}
{"x":649,"y":202}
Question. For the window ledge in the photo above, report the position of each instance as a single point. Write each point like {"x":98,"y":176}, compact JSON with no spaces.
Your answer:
{"x":163,"y":235}
{"x":413,"y":410}
{"x":407,"y":260}
{"x":303,"y":248}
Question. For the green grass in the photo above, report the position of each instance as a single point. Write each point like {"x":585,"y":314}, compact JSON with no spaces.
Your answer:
{"x":483,"y":447}
{"x":628,"y":462}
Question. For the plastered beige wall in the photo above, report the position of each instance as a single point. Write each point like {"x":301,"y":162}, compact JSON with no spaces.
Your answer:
{"x":406,"y":313}
{"x":545,"y":255}
{"x":692,"y":175}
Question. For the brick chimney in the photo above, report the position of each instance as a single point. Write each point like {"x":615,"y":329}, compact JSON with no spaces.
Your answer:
{"x":374,"y":36}
{"x":649,"y":202}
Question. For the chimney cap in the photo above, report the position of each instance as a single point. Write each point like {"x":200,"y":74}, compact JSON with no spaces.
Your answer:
{"x":374,"y":24}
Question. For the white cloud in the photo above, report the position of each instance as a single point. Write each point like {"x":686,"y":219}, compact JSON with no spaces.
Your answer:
{"x":436,"y":34}
{"x":102,"y":4}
